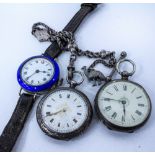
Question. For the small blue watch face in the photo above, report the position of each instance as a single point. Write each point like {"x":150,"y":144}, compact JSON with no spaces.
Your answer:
{"x":38,"y":73}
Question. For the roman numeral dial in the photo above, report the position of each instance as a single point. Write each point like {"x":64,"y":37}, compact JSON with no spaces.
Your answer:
{"x":127,"y":104}
{"x":64,"y":110}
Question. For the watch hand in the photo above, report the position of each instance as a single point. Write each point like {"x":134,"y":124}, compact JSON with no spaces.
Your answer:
{"x":44,"y":71}
{"x":124,"y":110}
{"x":55,"y":113}
{"x":32,"y":74}
{"x":110,"y":99}
{"x":37,"y":71}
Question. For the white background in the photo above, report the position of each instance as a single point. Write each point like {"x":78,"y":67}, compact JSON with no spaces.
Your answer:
{"x":129,"y":27}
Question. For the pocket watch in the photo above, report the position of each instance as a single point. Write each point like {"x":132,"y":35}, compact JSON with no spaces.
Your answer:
{"x":121,"y":104}
{"x":65,"y":112}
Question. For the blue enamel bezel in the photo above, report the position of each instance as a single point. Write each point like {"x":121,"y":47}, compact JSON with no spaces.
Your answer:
{"x":40,"y":88}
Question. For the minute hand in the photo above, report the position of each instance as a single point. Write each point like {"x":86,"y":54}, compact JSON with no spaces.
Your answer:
{"x":55,"y":113}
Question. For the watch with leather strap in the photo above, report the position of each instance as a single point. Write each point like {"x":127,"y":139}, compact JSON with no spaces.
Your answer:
{"x":37,"y":75}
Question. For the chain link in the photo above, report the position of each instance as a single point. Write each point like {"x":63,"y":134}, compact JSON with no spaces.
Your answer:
{"x":71,"y":67}
{"x":66,"y":41}
{"x":45,"y":34}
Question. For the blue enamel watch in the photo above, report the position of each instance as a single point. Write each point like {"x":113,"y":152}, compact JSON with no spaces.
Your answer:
{"x":36,"y":76}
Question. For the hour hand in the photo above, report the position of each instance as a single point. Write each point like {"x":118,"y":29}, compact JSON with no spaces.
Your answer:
{"x":110,"y":99}
{"x":44,"y":71}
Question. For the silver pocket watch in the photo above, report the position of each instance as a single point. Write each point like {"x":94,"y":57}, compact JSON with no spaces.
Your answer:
{"x":121,"y":104}
{"x":65,"y":112}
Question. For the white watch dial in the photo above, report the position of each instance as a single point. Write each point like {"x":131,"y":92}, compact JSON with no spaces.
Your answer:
{"x":64,"y":111}
{"x":124,"y":103}
{"x":37,"y":71}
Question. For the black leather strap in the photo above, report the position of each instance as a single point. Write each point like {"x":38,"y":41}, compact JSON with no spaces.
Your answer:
{"x":79,"y":16}
{"x":16,"y":123}
{"x":53,"y":50}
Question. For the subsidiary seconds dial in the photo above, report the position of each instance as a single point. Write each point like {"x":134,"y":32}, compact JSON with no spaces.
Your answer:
{"x":64,"y":113}
{"x":123,"y":105}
